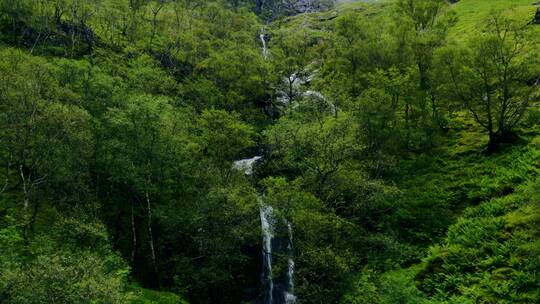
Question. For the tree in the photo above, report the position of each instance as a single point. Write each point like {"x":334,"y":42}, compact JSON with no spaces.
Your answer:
{"x":377,"y":119}
{"x":492,"y":78}
{"x":223,"y":137}
{"x":429,"y":21}
{"x":426,"y":24}
{"x":65,"y":277}
{"x":15,"y":14}
{"x":292,"y":55}
{"x":357,"y":48}
{"x":144,"y":131}
{"x":155,"y":8}
{"x":46,"y":142}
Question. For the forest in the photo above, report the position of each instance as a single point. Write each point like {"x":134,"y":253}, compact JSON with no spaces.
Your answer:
{"x":269,"y":151}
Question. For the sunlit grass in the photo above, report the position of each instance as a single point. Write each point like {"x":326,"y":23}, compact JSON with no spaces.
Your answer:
{"x":473,"y":15}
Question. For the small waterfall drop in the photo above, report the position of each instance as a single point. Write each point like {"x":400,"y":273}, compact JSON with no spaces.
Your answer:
{"x":315,"y":95}
{"x":293,"y":83}
{"x":267,"y":227}
{"x":281,"y":292}
{"x":290,"y":298}
{"x":246,"y":165}
{"x":262,"y":37}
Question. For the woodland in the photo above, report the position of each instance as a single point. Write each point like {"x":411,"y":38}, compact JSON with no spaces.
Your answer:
{"x":269,"y":151}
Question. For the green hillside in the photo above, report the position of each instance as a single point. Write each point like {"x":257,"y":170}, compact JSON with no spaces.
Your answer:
{"x":230,"y":151}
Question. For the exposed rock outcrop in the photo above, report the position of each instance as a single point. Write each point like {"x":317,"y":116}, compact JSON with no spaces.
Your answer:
{"x":274,"y":8}
{"x":302,"y":6}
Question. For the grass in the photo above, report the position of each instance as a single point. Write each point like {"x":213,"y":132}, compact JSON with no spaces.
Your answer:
{"x":148,"y":296}
{"x":439,"y":185}
{"x":473,"y":15}
{"x":491,"y":253}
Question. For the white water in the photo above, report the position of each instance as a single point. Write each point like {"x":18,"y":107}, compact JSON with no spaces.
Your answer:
{"x":290,"y":298}
{"x":284,"y":292}
{"x":246,"y":165}
{"x":267,"y":226}
{"x":269,"y":221}
{"x":272,"y":295}
{"x":265,"y":51}
{"x":322,"y":98}
{"x":293,"y":84}
{"x":291,"y":89}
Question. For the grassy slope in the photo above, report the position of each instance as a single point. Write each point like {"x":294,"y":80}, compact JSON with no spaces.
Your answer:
{"x":491,"y":253}
{"x":485,"y":245}
{"x":473,"y":13}
{"x":490,"y":250}
{"x":440,"y":185}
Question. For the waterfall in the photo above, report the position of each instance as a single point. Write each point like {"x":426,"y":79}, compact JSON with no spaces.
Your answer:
{"x":246,"y":165}
{"x":267,"y":227}
{"x":262,"y":37}
{"x":320,"y":97}
{"x":290,"y":298}
{"x":293,"y":83}
{"x":281,"y":291}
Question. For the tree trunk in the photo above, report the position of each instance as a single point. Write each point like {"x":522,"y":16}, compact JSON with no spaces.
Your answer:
{"x":26,"y":202}
{"x":493,"y":143}
{"x":134,"y":233}
{"x":500,"y":137}
{"x":150,"y":234}
{"x":155,"y":12}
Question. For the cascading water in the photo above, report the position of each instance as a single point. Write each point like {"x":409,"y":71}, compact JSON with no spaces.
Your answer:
{"x":283,"y":291}
{"x":276,"y":291}
{"x":246,"y":165}
{"x":267,"y":227}
{"x":294,"y":83}
{"x":290,"y":298}
{"x":265,"y":51}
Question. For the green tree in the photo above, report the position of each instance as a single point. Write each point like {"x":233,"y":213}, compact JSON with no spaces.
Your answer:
{"x":223,"y":137}
{"x":65,"y":277}
{"x":47,"y":142}
{"x":426,"y":24}
{"x":492,"y":78}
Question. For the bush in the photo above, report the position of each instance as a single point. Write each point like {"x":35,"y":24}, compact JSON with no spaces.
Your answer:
{"x":65,"y":277}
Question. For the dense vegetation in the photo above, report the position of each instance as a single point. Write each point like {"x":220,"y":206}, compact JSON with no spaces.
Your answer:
{"x":400,"y":138}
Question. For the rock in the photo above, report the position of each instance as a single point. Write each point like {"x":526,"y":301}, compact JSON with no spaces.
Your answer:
{"x":302,"y":6}
{"x":272,"y":9}
{"x":536,"y":19}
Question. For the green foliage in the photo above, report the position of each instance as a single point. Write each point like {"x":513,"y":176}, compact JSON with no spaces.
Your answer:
{"x":120,"y":122}
{"x":489,"y":254}
{"x":490,"y":78}
{"x":320,"y":266}
{"x":71,"y":263}
{"x":148,"y":296}
{"x":222,"y":136}
{"x":391,"y":287}
{"x":65,"y":277}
